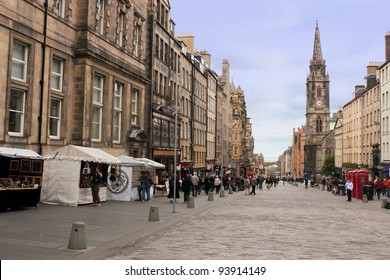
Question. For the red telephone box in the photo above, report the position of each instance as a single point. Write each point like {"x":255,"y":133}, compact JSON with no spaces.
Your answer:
{"x":359,"y":178}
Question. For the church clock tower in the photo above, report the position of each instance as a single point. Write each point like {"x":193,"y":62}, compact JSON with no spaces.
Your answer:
{"x":317,"y":107}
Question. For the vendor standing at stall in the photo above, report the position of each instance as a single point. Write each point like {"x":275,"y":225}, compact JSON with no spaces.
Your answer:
{"x":96,"y":177}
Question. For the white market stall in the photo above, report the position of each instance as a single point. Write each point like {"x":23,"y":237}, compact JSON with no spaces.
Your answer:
{"x":125,"y":186}
{"x":63,"y":175}
{"x":120,"y":187}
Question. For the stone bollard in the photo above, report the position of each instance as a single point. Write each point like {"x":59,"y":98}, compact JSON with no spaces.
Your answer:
{"x":236,"y":189}
{"x":231,"y":191}
{"x":222,"y":193}
{"x":365,"y":199}
{"x":384,"y":201}
{"x":191,"y":202}
{"x":154,"y":214}
{"x":211,"y":196}
{"x":77,"y":239}
{"x":341,"y":192}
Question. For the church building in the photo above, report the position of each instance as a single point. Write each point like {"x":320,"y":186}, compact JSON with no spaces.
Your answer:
{"x":317,"y":125}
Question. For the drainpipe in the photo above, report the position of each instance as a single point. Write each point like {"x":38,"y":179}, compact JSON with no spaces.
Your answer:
{"x":152,"y":79}
{"x":42,"y":81}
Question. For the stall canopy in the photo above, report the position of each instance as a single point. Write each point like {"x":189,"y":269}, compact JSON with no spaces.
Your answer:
{"x":18,"y":153}
{"x":61,"y":175}
{"x":151,"y":163}
{"x":130,"y":161}
{"x":77,"y":153}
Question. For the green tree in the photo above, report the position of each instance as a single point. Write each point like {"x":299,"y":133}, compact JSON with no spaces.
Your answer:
{"x":328,"y":166}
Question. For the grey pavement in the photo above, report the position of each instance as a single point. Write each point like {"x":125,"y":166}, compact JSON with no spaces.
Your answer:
{"x":283,"y":223}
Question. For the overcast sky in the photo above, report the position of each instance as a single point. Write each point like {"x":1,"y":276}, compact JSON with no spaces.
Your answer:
{"x":269,"y":44}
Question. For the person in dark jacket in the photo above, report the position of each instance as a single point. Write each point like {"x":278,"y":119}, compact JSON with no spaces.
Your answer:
{"x":187,"y":186}
{"x":207,"y":184}
{"x":171,"y":188}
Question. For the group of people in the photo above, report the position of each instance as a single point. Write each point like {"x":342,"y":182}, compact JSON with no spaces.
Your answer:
{"x":194,"y":184}
{"x":379,"y":186}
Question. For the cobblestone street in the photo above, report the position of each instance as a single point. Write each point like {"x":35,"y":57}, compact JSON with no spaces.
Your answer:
{"x":283,"y":223}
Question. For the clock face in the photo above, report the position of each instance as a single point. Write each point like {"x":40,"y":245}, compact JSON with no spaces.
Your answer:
{"x":319,"y":103}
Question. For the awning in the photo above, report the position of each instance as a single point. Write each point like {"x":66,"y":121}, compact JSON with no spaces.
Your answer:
{"x":130,"y":161}
{"x":78,"y":153}
{"x":151,"y":163}
{"x":18,"y":153}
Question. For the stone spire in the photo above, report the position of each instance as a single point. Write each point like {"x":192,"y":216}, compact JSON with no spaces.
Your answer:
{"x":317,"y":52}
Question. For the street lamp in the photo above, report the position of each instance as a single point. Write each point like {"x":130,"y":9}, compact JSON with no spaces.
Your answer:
{"x":175,"y":151}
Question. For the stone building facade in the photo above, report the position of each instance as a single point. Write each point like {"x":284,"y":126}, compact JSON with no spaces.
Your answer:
{"x":70,"y":72}
{"x":164,"y":74}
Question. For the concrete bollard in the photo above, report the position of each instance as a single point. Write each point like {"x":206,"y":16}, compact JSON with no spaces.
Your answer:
{"x":77,"y":239}
{"x":365,"y":199}
{"x":222,"y":193}
{"x":384,"y":201}
{"x":341,"y":192}
{"x":231,"y":191}
{"x":211,"y":196}
{"x":191,"y":202}
{"x":154,"y":214}
{"x":236,"y":189}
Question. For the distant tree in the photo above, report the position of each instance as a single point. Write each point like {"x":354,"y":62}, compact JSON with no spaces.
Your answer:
{"x":328,"y":166}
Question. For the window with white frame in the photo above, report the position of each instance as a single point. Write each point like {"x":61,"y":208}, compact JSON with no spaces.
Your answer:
{"x":19,"y":61}
{"x":97,"y":107}
{"x":100,"y":16}
{"x":134,"y":106}
{"x":16,"y":112}
{"x":57,"y":69}
{"x":116,"y":126}
{"x":55,"y":118}
{"x":60,"y":6}
{"x":121,"y":28}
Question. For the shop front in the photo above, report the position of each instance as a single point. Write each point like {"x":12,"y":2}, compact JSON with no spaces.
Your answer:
{"x":20,"y":178}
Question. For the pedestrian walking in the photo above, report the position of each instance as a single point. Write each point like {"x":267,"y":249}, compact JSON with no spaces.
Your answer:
{"x":388,"y":187}
{"x":207,"y":184}
{"x":217,"y":184}
{"x":377,"y":187}
{"x":247,"y":185}
{"x":96,"y":178}
{"x":349,"y":187}
{"x":171,"y":188}
{"x":146,"y":183}
{"x":253,"y":185}
{"x":187,"y":185}
{"x":195,"y":183}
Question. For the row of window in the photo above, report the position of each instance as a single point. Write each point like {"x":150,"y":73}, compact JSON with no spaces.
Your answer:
{"x":18,"y":97}
{"x":166,"y":53}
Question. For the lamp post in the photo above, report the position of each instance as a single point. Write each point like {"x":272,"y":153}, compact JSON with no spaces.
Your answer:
{"x":175,"y":152}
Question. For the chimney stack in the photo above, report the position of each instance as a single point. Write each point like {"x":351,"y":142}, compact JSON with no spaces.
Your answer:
{"x":387,"y":46}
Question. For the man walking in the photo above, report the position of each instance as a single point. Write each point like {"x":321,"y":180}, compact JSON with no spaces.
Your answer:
{"x":195,"y":183}
{"x":349,"y":187}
